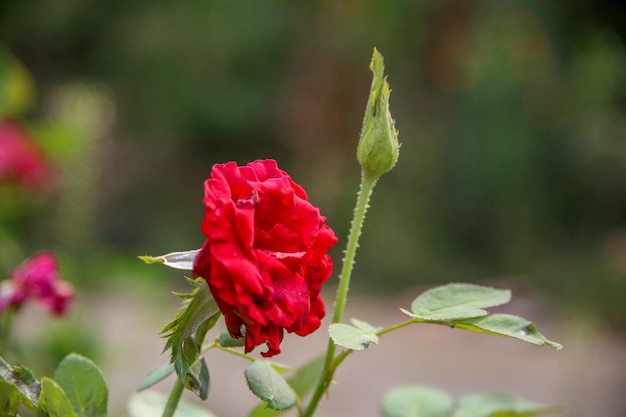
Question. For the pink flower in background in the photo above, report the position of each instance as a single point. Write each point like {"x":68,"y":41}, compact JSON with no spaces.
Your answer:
{"x":38,"y":278}
{"x":20,"y":159}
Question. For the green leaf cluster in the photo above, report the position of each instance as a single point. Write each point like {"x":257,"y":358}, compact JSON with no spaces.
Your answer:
{"x":185,"y":335}
{"x":422,"y":401}
{"x":463,"y":306}
{"x":457,"y":305}
{"x":78,"y":389}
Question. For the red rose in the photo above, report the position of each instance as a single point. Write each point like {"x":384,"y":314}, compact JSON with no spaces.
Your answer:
{"x":265,"y":256}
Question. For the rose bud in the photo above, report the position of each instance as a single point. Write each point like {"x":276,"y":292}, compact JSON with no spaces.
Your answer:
{"x":378,"y":147}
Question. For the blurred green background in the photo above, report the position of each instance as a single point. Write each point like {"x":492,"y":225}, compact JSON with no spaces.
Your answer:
{"x":512,"y":118}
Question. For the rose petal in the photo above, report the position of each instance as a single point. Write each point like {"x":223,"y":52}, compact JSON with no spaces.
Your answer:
{"x":265,"y":256}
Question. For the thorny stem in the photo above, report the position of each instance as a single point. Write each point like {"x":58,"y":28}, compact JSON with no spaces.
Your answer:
{"x":331,"y":367}
{"x":331,"y":363}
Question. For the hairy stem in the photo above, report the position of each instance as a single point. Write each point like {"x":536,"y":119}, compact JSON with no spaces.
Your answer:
{"x":365,"y":191}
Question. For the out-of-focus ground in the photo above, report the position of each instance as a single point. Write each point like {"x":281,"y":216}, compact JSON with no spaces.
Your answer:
{"x":587,"y":377}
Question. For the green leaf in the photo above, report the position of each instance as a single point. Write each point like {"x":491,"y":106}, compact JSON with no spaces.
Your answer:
{"x":198,"y":379}
{"x":302,"y":382}
{"x":226,"y":340}
{"x":457,"y":301}
{"x":150,"y":403}
{"x":84,"y":385}
{"x":500,"y":405}
{"x":269,"y":385}
{"x":416,"y":401}
{"x":506,"y":325}
{"x":26,"y":383}
{"x":177,"y":260}
{"x":9,"y":399}
{"x":357,"y":337}
{"x":156,"y":376}
{"x":198,"y":309}
{"x":53,"y":402}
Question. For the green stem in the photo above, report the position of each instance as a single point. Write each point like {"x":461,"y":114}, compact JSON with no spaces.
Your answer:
{"x":235,"y":352}
{"x":365,"y":192}
{"x":362,"y":204}
{"x":173,"y":399}
{"x":396,"y":326}
{"x":178,"y":388}
{"x":413,"y":321}
{"x":340,"y":358}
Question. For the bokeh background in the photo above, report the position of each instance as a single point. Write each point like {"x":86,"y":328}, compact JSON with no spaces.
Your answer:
{"x":512,"y":118}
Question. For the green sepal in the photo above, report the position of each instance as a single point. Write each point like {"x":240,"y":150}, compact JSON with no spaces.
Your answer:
{"x":457,"y":301}
{"x":378,"y":148}
{"x":267,"y":384}
{"x":84,"y":385}
{"x":177,"y":260}
{"x":198,"y":379}
{"x":357,"y":337}
{"x":199,"y":309}
{"x":506,"y":325}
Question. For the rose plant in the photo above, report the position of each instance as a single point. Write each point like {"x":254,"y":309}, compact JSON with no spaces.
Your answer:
{"x":261,"y":267}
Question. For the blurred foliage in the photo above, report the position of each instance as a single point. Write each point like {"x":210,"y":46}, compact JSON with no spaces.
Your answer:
{"x":512,"y":117}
